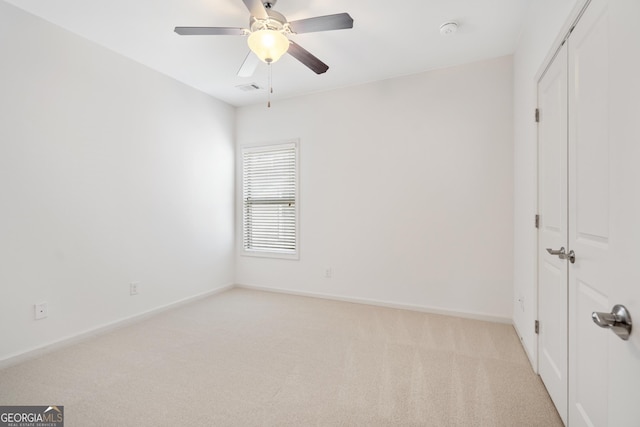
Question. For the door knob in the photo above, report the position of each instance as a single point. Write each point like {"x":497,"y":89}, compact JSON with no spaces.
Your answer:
{"x":571,"y":256}
{"x":619,"y":321}
{"x":560,"y":252}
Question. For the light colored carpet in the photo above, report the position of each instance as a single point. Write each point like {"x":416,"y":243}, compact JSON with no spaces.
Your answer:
{"x":249,"y":358}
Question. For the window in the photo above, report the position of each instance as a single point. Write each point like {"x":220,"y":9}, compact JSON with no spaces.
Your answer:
{"x":269,"y":197}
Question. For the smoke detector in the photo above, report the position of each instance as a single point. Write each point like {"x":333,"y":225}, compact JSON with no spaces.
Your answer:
{"x":449,"y":27}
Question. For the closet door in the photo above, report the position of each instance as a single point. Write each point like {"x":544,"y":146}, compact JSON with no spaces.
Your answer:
{"x":552,"y":235}
{"x":604,"y":211}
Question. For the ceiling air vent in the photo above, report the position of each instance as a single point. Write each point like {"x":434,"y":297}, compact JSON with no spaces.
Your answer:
{"x":249,"y":88}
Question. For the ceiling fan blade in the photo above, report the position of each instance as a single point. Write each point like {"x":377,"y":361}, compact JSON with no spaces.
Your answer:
{"x":307,"y":58}
{"x":210,"y":31}
{"x":249,"y":65}
{"x":339,"y":21}
{"x":256,"y":8}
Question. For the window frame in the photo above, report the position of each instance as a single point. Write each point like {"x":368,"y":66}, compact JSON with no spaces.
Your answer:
{"x":266,"y":253}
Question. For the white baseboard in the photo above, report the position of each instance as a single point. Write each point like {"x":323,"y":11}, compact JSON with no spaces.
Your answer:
{"x":424,"y":309}
{"x":64,"y":342}
{"x":527,"y":351}
{"x":108,"y":327}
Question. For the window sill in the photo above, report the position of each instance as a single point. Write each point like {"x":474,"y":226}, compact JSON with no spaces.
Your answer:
{"x":269,"y":254}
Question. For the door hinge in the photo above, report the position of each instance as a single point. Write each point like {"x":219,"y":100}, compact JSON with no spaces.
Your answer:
{"x":537,"y":327}
{"x":537,"y":115}
{"x":537,"y":221}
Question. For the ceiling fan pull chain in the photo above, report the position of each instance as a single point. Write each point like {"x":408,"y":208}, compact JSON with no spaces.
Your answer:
{"x":270,"y":85}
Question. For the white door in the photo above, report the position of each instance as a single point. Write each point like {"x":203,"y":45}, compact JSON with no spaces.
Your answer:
{"x":552,"y":207}
{"x":604,"y":212}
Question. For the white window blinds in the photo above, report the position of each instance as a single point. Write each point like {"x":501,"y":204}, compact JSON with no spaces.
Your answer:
{"x":269,"y":192}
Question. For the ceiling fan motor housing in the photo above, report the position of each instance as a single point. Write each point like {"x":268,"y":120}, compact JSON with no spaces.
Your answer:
{"x":276,"y":21}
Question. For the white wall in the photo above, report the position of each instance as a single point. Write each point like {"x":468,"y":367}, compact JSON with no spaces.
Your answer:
{"x":544,"y":22}
{"x":109,"y":173}
{"x":406,"y":190}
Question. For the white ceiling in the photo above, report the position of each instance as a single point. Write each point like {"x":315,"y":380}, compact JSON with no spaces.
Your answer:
{"x":389,"y":39}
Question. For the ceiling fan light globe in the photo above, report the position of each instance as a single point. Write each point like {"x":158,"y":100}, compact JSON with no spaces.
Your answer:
{"x":268,"y":45}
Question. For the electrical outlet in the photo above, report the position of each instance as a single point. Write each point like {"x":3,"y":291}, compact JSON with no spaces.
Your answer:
{"x":328,"y":273}
{"x":41,"y":310}
{"x":134,"y":288}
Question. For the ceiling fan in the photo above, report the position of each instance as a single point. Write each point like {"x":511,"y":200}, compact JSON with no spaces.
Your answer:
{"x":268,"y":35}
